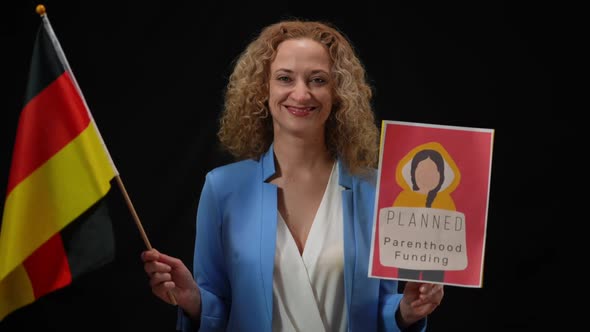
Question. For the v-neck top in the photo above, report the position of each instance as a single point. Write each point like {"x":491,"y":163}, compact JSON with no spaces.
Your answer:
{"x":308,"y":289}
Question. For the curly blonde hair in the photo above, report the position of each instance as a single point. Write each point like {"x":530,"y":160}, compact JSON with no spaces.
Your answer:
{"x":246,"y":129}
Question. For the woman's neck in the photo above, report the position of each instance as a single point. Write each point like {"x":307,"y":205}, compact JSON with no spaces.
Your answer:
{"x":300,"y":156}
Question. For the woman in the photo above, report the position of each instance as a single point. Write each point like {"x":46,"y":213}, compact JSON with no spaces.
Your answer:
{"x":283,"y":235}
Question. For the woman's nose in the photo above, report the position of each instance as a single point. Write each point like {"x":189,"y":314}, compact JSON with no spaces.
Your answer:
{"x":300,"y":91}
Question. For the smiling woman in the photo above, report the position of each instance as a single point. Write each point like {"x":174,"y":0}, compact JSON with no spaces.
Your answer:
{"x":246,"y":125}
{"x":300,"y":88}
{"x":297,"y":108}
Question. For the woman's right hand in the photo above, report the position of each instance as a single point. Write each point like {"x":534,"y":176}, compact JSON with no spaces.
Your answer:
{"x":169,"y":276}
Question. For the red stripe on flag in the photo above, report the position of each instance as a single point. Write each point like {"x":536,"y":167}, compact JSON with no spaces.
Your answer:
{"x":47,"y":123}
{"x":48,"y":267}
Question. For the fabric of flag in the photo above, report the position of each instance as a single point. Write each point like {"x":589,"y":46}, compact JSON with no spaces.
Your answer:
{"x":54,"y":223}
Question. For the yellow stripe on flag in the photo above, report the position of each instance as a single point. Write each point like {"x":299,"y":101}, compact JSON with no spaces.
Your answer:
{"x":54,"y":195}
{"x":15,"y":291}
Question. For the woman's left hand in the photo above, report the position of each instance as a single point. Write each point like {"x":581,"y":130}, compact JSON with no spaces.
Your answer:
{"x":419,"y":300}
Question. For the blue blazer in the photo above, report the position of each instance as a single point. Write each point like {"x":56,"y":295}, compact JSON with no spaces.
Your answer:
{"x":235,"y":249}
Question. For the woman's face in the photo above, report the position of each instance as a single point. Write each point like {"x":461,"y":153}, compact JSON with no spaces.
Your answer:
{"x":300,"y":88}
{"x":427,"y":175}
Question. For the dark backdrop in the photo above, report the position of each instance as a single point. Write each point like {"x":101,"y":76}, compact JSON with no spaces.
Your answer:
{"x":153,"y":75}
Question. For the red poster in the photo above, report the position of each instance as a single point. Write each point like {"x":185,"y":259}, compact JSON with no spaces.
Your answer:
{"x":431,"y":203}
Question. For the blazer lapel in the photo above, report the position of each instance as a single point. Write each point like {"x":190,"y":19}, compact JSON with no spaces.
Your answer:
{"x":268,"y":228}
{"x":345,"y":181}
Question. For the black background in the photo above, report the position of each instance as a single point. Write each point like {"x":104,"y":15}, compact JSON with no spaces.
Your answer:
{"x":153,"y":75}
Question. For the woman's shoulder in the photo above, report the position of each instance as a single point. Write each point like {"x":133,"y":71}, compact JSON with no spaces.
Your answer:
{"x":229,"y":179}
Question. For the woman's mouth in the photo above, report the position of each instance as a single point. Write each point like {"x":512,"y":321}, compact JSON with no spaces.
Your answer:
{"x":300,"y":111}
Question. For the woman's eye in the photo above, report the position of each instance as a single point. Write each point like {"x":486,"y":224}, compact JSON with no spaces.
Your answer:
{"x":284,"y":79}
{"x":318,"y":80}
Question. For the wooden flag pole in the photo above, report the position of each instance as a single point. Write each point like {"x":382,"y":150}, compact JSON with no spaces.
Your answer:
{"x":139,"y":225}
{"x":133,"y":213}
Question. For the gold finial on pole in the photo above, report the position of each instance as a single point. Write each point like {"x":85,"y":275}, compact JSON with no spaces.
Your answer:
{"x":40,"y":9}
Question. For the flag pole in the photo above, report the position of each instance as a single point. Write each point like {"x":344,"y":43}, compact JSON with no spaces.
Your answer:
{"x":171,"y":296}
{"x":40,"y":9}
{"x":139,"y":225}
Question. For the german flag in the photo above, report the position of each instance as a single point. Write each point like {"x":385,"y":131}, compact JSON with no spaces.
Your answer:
{"x":54,"y":224}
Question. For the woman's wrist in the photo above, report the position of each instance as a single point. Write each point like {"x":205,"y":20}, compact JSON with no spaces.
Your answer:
{"x":403,"y":318}
{"x":192,"y":307}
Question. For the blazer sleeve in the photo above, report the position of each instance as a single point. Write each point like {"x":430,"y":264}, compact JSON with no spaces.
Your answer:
{"x":389,"y":300}
{"x":209,"y":263}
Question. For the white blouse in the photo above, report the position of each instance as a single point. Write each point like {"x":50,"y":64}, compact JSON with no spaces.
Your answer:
{"x":308,"y":289}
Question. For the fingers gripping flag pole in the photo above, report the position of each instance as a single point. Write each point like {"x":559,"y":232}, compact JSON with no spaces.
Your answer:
{"x":62,"y":168}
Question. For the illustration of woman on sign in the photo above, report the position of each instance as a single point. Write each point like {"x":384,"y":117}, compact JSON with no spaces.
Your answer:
{"x":427,"y":176}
